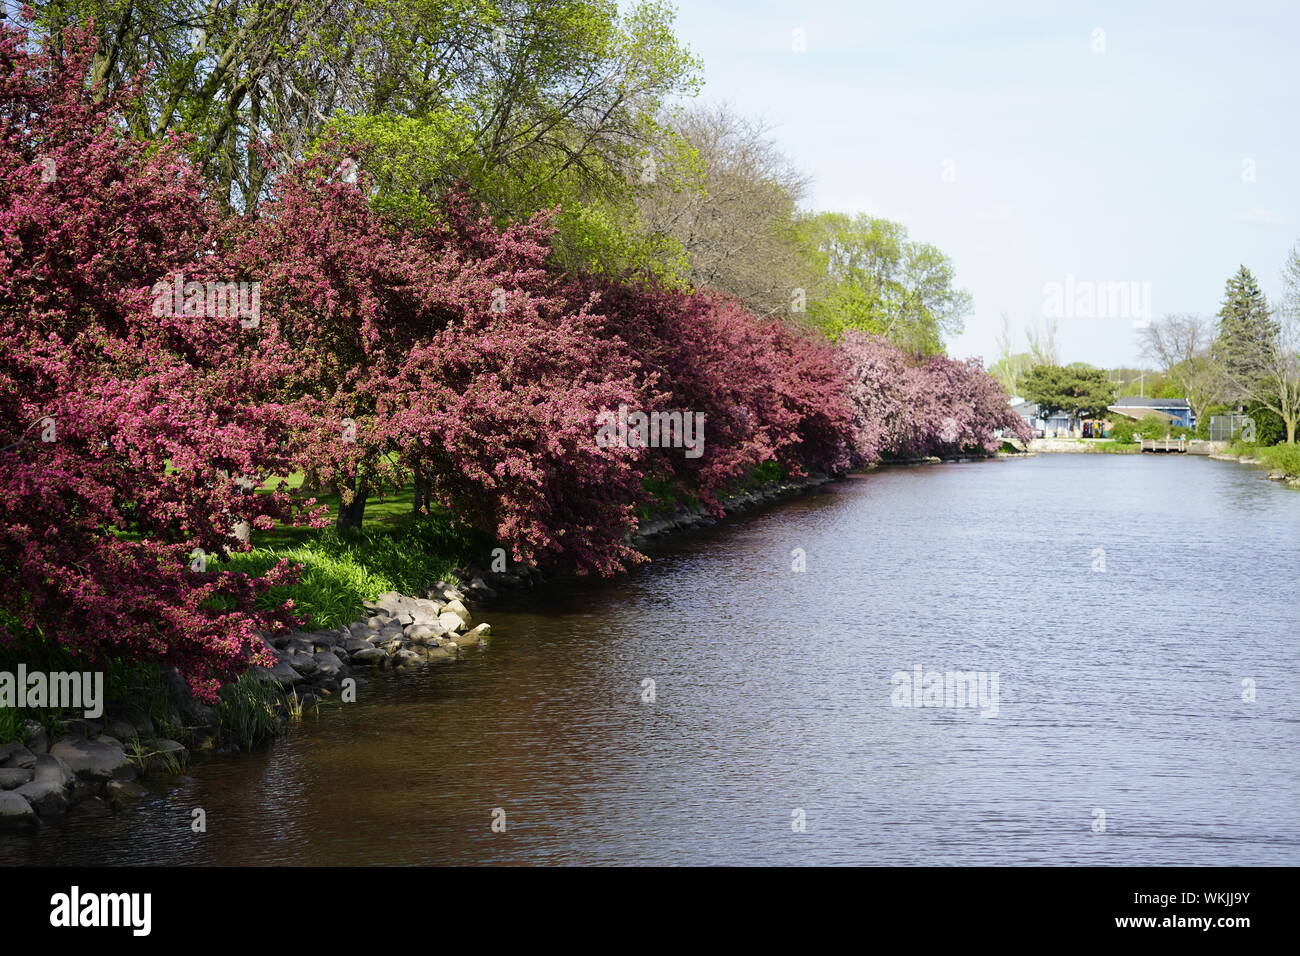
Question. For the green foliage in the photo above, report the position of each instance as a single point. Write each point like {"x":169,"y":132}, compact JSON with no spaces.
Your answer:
{"x":1270,"y":429}
{"x":1078,"y":390}
{"x":341,"y":569}
{"x":1247,"y":331}
{"x":1124,"y":430}
{"x":882,"y":282}
{"x":1284,"y":457}
{"x":249,"y":711}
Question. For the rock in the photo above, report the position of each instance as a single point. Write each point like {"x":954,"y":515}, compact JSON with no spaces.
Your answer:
{"x":407,"y":658}
{"x":120,"y":793}
{"x":163,"y":756}
{"x":376,"y":622}
{"x":439,"y":655}
{"x":12,"y":778}
{"x":133,"y":715}
{"x":121,"y":729}
{"x":451,"y":594}
{"x":304,"y":663}
{"x":82,"y":789}
{"x":420,"y":633}
{"x":369,"y":657}
{"x":281,"y":674}
{"x":479,"y":632}
{"x":90,"y":759}
{"x":328,"y":664}
{"x":280,"y":640}
{"x":35,"y":737}
{"x":52,"y":769}
{"x":81,"y":727}
{"x":16,"y":755}
{"x":46,"y":798}
{"x":325,"y":640}
{"x":90,"y":807}
{"x":480,"y":587}
{"x":16,"y":813}
{"x":456,"y":607}
{"x":450,"y":621}
{"x":354,"y":644}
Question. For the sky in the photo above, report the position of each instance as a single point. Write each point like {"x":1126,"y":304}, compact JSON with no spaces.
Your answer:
{"x":1045,"y":147}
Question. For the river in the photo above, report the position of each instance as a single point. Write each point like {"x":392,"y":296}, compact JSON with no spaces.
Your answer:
{"x":1126,"y":605}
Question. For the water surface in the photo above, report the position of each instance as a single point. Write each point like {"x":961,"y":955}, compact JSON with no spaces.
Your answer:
{"x":1120,"y":690}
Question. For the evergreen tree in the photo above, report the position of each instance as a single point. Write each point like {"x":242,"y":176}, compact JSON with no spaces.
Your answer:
{"x":1247,"y":331}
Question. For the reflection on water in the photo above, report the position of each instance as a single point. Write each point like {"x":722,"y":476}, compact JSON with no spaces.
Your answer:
{"x":1119,"y":690}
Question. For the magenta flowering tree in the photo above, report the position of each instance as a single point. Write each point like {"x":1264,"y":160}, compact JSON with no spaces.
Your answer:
{"x":765,"y":392}
{"x":905,"y":409}
{"x":127,"y":435}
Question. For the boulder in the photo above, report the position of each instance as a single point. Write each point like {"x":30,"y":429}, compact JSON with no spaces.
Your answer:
{"x":407,"y":658}
{"x":281,"y":674}
{"x":457,"y":607}
{"x":369,"y":657}
{"x":303,"y":662}
{"x":11,"y":778}
{"x":120,"y":793}
{"x":46,"y":798}
{"x":450,"y":621}
{"x":90,"y":759}
{"x":52,"y":769}
{"x":35,"y":737}
{"x":354,"y":644}
{"x":122,"y":729}
{"x":16,"y":755}
{"x":328,"y":664}
{"x":420,"y":633}
{"x":16,"y":813}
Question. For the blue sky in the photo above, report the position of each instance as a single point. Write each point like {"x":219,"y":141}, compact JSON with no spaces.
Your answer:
{"x":1133,"y":164}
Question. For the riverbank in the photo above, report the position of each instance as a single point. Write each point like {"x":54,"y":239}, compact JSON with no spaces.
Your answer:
{"x":92,"y":767}
{"x":1280,"y":462}
{"x":84,"y":767}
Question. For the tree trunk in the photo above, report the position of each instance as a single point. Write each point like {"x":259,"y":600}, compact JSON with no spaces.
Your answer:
{"x":420,"y":499}
{"x":352,"y":513}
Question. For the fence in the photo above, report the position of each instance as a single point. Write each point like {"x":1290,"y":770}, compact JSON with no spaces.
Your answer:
{"x":1230,"y":427}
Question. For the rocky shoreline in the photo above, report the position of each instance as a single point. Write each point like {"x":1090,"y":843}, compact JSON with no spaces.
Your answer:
{"x":95,"y":766}
{"x":1272,"y":475}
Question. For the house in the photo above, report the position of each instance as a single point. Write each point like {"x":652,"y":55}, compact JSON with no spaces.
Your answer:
{"x":1049,"y":426}
{"x":1174,"y":411}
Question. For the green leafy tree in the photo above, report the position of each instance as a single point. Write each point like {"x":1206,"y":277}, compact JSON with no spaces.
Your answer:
{"x":879,"y":281}
{"x":1078,"y":390}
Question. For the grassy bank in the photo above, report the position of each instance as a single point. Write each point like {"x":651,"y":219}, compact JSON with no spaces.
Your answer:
{"x":1282,"y":458}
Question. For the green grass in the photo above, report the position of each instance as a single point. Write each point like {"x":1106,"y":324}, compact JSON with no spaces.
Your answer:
{"x":1284,"y":458}
{"x":394,"y":550}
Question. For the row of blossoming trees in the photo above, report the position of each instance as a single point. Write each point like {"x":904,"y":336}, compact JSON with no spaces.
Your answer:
{"x":131,"y":434}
